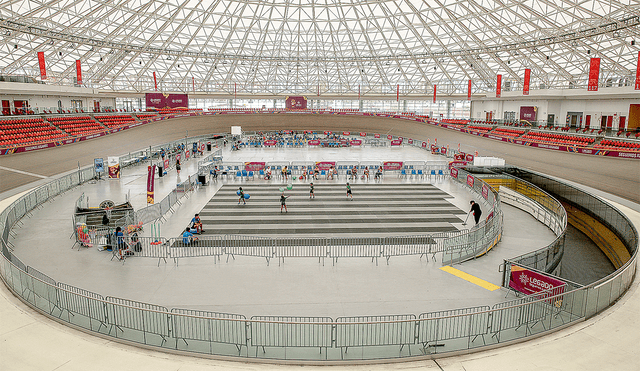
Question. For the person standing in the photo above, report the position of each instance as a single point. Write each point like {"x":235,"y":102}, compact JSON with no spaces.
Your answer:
{"x":178,"y":167}
{"x":349,"y":194}
{"x":311,"y":191}
{"x":283,"y":203}
{"x":241,"y":194}
{"x":475,"y":209}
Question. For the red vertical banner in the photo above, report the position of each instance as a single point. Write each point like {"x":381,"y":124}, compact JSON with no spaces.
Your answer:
{"x":638,"y":73}
{"x":235,"y":91}
{"x":499,"y":87}
{"x":43,"y":68}
{"x":594,"y":74}
{"x":469,"y":91}
{"x":434,"y":93}
{"x":398,"y":93}
{"x":78,"y":72}
{"x":151,"y":170}
{"x":318,"y":89}
{"x":527,"y":81}
{"x":155,"y":81}
{"x":193,"y":83}
{"x":358,"y":92}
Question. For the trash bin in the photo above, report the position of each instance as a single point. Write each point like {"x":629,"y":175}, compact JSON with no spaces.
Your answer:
{"x":202,"y":179}
{"x":209,"y":147}
{"x":160,"y":171}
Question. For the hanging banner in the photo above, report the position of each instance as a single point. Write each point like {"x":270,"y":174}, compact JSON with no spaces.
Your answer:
{"x":166,"y":164}
{"x":43,"y":68}
{"x":151,"y":171}
{"x":594,"y":74}
{"x":530,"y":282}
{"x":193,"y":82}
{"x":254,"y":166}
{"x":469,"y":91}
{"x":398,"y":93}
{"x":325,"y":165}
{"x":499,"y":86}
{"x":392,"y":165}
{"x":527,"y":81}
{"x":638,"y":73}
{"x":160,"y":100}
{"x":434,"y":93}
{"x":155,"y":82}
{"x":78,"y":72}
{"x":114,"y":167}
{"x":295,"y":102}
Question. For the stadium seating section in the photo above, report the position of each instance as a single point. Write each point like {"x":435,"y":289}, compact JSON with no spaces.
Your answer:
{"x":143,"y":116}
{"x":574,"y":140}
{"x":503,"y":132}
{"x":618,"y":145}
{"x":457,"y":122}
{"x":485,"y":129}
{"x":115,"y":120}
{"x":77,"y":125}
{"x":28,"y":131}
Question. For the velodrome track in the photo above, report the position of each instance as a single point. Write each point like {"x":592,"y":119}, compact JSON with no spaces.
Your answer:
{"x":617,"y":176}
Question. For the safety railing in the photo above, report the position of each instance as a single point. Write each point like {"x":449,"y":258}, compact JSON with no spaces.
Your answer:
{"x":297,"y":338}
{"x":486,"y":234}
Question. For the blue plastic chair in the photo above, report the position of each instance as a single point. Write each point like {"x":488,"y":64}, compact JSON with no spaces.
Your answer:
{"x":238,"y":174}
{"x":251,"y":174}
{"x":441,"y":173}
{"x":403,"y":173}
{"x":420,"y":173}
{"x":244,"y":173}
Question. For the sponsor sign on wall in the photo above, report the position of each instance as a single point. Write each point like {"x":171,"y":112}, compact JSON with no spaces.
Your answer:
{"x":392,"y":165}
{"x":298,"y":102}
{"x":470,"y":180}
{"x":530,"y":282}
{"x":254,"y":166}
{"x":325,"y":165}
{"x":528,"y":113}
{"x":160,"y":100}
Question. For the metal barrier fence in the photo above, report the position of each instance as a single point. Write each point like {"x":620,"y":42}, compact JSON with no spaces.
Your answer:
{"x":377,"y":337}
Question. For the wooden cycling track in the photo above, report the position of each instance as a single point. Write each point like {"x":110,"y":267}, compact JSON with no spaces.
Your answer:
{"x":617,"y":176}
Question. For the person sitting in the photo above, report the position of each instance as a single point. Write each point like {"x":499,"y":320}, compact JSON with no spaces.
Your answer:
{"x":267,"y":174}
{"x":378,"y":173}
{"x":196,"y":224}
{"x":366,"y":172}
{"x":187,"y":237}
{"x":354,"y":173}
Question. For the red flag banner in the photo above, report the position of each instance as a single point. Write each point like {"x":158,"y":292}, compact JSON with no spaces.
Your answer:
{"x":499,"y":87}
{"x":434,"y":93}
{"x":155,"y":82}
{"x":527,"y":81}
{"x":398,"y":93}
{"x":78,"y":72}
{"x":638,"y":73}
{"x":43,"y":68}
{"x":594,"y":74}
{"x":469,"y":91}
{"x":151,"y":170}
{"x":531,"y":282}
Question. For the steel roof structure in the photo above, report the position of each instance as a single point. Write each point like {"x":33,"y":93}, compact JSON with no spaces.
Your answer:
{"x":338,"y":47}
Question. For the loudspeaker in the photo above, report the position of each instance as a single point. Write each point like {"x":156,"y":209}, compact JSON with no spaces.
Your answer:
{"x":209,"y":147}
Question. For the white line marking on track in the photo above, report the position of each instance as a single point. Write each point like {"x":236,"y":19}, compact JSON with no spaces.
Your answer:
{"x":23,"y":172}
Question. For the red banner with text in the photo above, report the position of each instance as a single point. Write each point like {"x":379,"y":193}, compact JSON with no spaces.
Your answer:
{"x":151,"y":170}
{"x":469,"y":91}
{"x":638,"y":73}
{"x":527,"y":81}
{"x":499,"y":86}
{"x":78,"y":72}
{"x":43,"y":68}
{"x":434,"y":93}
{"x":531,"y":282}
{"x":594,"y":74}
{"x":296,"y":102}
{"x":155,"y":81}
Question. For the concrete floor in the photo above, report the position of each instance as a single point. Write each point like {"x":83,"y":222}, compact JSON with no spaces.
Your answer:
{"x":30,"y":342}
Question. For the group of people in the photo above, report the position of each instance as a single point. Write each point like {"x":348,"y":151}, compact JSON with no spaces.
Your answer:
{"x":194,"y":228}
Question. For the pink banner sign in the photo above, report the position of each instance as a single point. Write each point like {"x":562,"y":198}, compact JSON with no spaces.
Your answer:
{"x":313,"y":142}
{"x":187,"y":154}
{"x":458,"y":157}
{"x":470,"y":180}
{"x":151,"y":171}
{"x":254,"y":166}
{"x":328,"y":132}
{"x":637,"y":87}
{"x":454,"y":172}
{"x":325,"y":165}
{"x":346,"y":133}
{"x":376,"y":135}
{"x":390,"y":137}
{"x":43,"y":68}
{"x":296,"y":102}
{"x":424,"y":144}
{"x":485,"y":191}
{"x":435,"y":149}
{"x":499,"y":86}
{"x":392,"y":165}
{"x":396,"y":142}
{"x":443,"y":150}
{"x":469,"y":157}
{"x":530,"y":282}
{"x":166,"y":164}
{"x":355,"y":142}
{"x":178,"y":157}
{"x":362,"y":134}
{"x":160,"y":100}
{"x":453,"y":164}
{"x":269,"y":142}
{"x":527,"y":81}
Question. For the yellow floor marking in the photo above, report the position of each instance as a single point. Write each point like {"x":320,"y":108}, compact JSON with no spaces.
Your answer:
{"x":467,"y":277}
